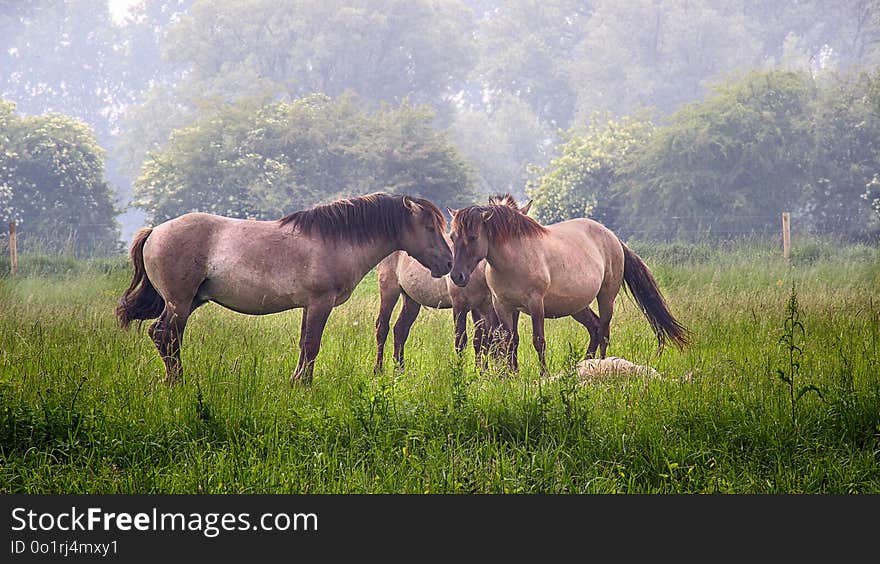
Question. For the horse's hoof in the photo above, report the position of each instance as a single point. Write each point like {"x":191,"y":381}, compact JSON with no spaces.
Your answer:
{"x":169,"y":380}
{"x":300,"y":381}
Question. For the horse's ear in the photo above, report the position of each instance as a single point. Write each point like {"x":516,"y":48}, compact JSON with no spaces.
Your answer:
{"x":451,"y":212}
{"x":409,"y":204}
{"x":487,"y":215}
{"x":525,"y":209}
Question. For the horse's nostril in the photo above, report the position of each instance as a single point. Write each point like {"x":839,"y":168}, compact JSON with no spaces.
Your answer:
{"x":449,"y":265}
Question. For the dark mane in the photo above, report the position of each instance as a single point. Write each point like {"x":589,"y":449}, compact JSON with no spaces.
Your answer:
{"x":504,"y":223}
{"x":360,"y":219}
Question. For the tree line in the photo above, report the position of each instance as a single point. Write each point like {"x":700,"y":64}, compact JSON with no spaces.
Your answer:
{"x":487,"y":93}
{"x":728,"y":165}
{"x":52,"y":180}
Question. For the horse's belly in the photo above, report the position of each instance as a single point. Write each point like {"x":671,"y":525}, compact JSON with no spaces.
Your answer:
{"x":254,"y":299}
{"x":563,"y":300}
{"x":430,"y":297}
{"x":564,"y":306}
{"x":573,"y":287}
{"x":424,"y":289}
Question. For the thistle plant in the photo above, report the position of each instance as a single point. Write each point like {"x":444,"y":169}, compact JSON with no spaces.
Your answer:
{"x":792,"y":339}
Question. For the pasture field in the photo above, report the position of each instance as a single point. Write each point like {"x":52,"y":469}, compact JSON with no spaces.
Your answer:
{"x":741,"y":411}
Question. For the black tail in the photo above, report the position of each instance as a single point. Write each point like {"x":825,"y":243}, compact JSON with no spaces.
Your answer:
{"x":141,"y":300}
{"x":641,"y":283}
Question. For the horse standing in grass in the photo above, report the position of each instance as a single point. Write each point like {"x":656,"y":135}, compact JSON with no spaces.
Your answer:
{"x":311,"y":259}
{"x":554,"y":271}
{"x":401,"y":275}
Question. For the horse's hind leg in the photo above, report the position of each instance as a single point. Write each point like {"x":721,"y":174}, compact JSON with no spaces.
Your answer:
{"x":388,"y":295}
{"x":167,"y":333}
{"x":401,"y":328}
{"x":606,"y":312}
{"x":590,"y":320}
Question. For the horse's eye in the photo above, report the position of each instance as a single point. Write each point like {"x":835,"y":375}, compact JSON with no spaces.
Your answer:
{"x":471,"y":238}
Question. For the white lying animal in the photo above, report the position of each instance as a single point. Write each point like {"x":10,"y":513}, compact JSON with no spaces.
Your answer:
{"x":596,"y":369}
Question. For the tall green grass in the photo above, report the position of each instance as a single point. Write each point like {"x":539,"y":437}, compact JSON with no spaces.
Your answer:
{"x":84,"y":409}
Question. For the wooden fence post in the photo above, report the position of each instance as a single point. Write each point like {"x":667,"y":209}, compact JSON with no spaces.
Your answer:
{"x":786,"y":235}
{"x":13,"y":250}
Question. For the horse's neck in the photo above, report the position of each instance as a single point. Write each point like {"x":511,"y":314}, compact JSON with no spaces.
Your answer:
{"x":373,"y":252}
{"x":500,"y":256}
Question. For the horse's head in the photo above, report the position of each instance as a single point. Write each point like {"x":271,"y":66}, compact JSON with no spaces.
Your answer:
{"x":423,"y":239}
{"x":470,"y":241}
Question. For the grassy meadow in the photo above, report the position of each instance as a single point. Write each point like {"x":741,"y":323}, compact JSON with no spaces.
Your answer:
{"x":753,"y":406}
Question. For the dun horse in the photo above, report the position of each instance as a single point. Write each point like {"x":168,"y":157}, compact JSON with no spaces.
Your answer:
{"x":399,"y":274}
{"x":311,"y":259}
{"x":555,"y":271}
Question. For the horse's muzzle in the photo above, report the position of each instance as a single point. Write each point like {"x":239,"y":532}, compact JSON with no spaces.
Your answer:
{"x":441,"y":272}
{"x":460,"y":279}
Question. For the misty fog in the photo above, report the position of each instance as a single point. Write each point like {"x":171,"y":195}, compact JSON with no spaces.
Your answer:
{"x":664,"y":119}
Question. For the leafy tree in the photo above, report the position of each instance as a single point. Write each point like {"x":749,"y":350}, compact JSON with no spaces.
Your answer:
{"x":409,"y":155}
{"x":385,"y":51}
{"x":261,"y":159}
{"x":52,"y":181}
{"x":524,"y":49}
{"x":660,"y":55}
{"x":727,"y":165}
{"x":833,"y":34}
{"x":872,"y":187}
{"x":584,"y":181}
{"x":71,"y":57}
{"x":845,"y":157}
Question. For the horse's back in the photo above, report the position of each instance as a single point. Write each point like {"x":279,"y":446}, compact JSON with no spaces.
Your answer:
{"x":585,"y":242}
{"x":206,"y":241}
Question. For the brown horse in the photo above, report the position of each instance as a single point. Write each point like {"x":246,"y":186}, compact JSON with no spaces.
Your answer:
{"x":555,"y":271}
{"x":399,"y":274}
{"x":311,"y":259}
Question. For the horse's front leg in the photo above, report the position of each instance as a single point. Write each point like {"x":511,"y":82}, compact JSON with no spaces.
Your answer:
{"x":459,"y":314}
{"x":493,"y":333}
{"x":480,"y":338}
{"x":486,"y":332}
{"x":536,"y":311}
{"x":315,"y":317}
